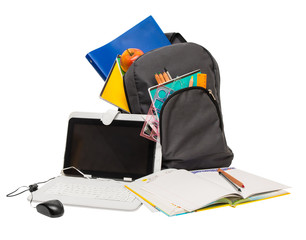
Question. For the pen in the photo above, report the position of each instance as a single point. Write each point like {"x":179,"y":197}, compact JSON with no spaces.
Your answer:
{"x":237,"y":188}
{"x":231,"y":178}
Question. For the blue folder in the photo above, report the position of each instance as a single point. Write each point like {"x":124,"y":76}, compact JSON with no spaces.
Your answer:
{"x":145,"y":36}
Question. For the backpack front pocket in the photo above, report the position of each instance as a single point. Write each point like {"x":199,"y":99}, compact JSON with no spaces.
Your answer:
{"x":191,"y":131}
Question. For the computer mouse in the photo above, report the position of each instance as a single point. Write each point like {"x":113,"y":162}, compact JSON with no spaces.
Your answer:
{"x":52,"y":208}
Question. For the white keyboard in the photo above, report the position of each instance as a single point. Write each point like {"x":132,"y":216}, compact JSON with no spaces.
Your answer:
{"x":103,"y":190}
{"x":78,"y":191}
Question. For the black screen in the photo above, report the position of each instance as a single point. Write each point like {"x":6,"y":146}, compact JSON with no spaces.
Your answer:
{"x":110,"y":151}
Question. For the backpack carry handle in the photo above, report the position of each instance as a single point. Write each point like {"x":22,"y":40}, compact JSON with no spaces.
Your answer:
{"x":175,"y":37}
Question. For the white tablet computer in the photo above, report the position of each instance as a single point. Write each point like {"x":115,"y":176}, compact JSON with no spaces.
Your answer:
{"x":110,"y":146}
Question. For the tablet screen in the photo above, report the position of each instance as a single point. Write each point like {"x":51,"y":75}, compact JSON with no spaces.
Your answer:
{"x":108,"y":151}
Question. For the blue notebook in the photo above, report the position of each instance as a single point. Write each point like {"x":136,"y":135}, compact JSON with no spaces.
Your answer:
{"x":145,"y":36}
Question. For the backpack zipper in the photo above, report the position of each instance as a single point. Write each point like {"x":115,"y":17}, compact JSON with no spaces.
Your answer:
{"x":214,"y":100}
{"x":211,"y":93}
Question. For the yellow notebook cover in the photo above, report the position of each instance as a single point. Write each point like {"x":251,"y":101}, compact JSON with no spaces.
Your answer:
{"x":113,"y":90}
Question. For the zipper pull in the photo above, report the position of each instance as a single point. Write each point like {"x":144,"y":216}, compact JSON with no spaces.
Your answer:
{"x":210,"y":92}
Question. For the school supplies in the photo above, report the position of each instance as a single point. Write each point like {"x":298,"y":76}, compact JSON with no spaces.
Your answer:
{"x":201,"y":80}
{"x":166,"y":77}
{"x":179,"y":191}
{"x":175,"y":84}
{"x":162,"y":77}
{"x":230,"y":182}
{"x":145,"y":36}
{"x":158,"y":80}
{"x":150,"y":129}
{"x":231,"y":178}
{"x":113,"y":90}
{"x":159,"y":93}
{"x":168,"y":73}
{"x":191,"y":81}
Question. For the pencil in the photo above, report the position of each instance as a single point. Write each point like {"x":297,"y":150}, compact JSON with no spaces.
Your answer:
{"x":191,"y":82}
{"x":157,"y":78}
{"x":162,"y":80}
{"x":166,"y":76}
{"x":231,"y":178}
{"x":168,"y":73}
{"x":237,"y":188}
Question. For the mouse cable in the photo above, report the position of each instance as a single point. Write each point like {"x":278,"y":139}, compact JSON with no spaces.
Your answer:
{"x":31,"y":188}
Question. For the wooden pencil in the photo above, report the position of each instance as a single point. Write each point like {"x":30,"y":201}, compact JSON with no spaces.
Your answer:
{"x":157,"y":79}
{"x":231,"y":178}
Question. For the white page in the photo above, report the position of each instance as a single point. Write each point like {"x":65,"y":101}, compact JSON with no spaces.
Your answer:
{"x":186,"y":190}
{"x":162,"y":203}
{"x":253,"y":184}
{"x":212,"y":175}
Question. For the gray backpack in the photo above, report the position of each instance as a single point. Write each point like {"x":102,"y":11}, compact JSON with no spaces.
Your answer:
{"x":190,"y":123}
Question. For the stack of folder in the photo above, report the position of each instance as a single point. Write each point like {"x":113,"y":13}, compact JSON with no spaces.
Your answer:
{"x":146,"y":36}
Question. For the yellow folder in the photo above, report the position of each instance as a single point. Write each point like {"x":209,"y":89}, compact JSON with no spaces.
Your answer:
{"x":113,"y":90}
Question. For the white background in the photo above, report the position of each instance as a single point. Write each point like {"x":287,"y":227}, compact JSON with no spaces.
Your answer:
{"x":260,"y":48}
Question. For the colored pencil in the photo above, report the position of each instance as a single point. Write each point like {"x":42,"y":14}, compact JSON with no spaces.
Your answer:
{"x":191,"y":82}
{"x":237,"y":188}
{"x":157,"y":79}
{"x":166,"y":76}
{"x":231,"y":178}
{"x":168,"y":73}
{"x":161,"y":78}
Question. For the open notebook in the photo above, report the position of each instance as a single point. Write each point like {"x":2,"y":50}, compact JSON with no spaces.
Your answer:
{"x":179,"y":191}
